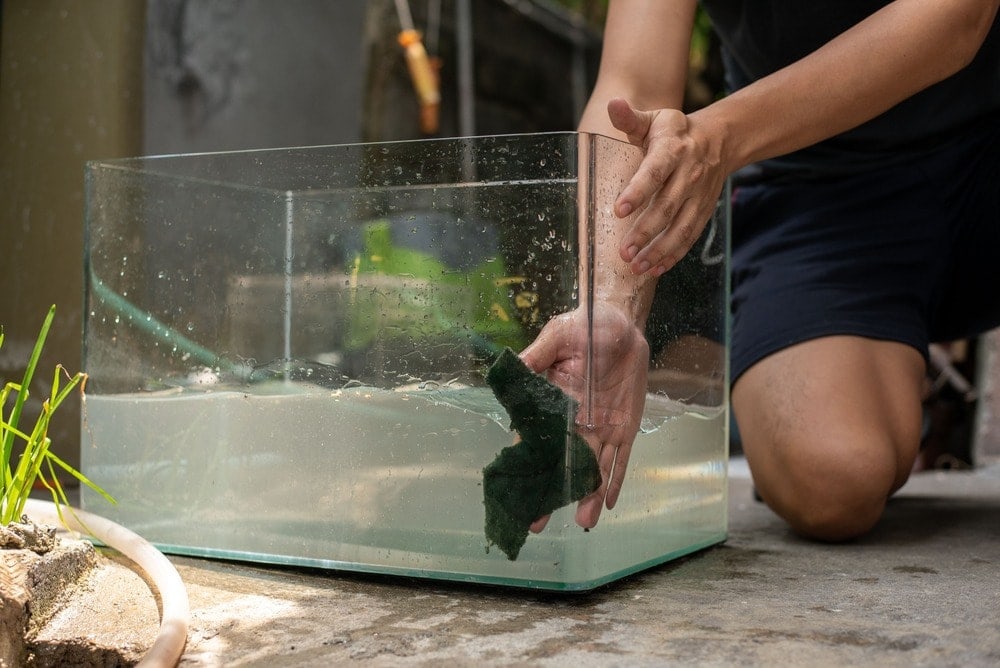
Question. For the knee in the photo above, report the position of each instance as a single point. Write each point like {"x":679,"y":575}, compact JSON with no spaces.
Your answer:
{"x":833,"y":515}
{"x":830,"y":497}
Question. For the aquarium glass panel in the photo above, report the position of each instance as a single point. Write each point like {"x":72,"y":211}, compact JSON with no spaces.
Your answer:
{"x":310,"y":356}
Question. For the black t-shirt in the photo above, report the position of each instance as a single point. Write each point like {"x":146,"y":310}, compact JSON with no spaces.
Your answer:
{"x":762,"y":36}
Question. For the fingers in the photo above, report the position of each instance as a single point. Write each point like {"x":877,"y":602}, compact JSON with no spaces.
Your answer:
{"x":612,"y":462}
{"x":670,"y":197}
{"x":654,"y":170}
{"x":539,"y":525}
{"x":672,"y":189}
{"x":617,"y":476}
{"x":660,"y":238}
{"x":662,"y":135}
{"x":588,"y":511}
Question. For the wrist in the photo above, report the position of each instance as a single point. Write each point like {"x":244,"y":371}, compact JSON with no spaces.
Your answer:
{"x":713,"y":126}
{"x":630,"y":297}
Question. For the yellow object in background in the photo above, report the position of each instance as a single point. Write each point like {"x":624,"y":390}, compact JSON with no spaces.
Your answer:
{"x":424,"y":77}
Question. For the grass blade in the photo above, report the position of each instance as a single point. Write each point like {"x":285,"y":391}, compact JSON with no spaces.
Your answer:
{"x":37,"y":461}
{"x":22,"y":395}
{"x":82,"y":478}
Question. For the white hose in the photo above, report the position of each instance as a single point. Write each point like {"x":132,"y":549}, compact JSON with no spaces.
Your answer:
{"x":169,"y":644}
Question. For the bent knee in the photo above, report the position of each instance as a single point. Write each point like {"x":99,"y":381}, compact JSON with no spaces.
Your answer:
{"x":830,"y":499}
{"x":828,"y":512}
{"x":832,"y":519}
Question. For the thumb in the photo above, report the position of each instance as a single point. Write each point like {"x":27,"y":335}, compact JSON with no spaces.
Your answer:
{"x":542,"y":352}
{"x":626,"y":118}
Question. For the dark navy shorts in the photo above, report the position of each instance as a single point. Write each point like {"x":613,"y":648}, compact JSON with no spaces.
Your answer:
{"x":908,"y":253}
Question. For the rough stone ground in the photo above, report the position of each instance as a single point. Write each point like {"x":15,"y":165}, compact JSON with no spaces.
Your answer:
{"x":922,"y":589}
{"x":66,"y":608}
{"x":110,"y":619}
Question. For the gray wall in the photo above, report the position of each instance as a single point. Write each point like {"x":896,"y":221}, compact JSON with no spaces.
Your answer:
{"x":242,"y":74}
{"x":69,"y":91}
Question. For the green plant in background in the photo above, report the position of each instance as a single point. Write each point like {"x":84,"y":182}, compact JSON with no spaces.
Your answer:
{"x":37,"y":462}
{"x":427,"y":299}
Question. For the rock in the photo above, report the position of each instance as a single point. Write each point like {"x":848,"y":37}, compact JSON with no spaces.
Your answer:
{"x":26,"y":535}
{"x":64,"y":603}
{"x":32,"y":588}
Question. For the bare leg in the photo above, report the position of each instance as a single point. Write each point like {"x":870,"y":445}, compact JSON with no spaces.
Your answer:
{"x":830,"y":428}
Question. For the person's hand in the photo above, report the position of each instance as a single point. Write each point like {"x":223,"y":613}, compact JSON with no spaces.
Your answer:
{"x":675,"y":188}
{"x":610,"y":420}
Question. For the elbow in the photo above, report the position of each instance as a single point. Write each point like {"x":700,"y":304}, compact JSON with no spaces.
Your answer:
{"x":973,"y":24}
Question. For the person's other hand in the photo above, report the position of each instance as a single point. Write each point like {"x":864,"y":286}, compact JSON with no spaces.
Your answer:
{"x":618,"y":371}
{"x":675,"y":188}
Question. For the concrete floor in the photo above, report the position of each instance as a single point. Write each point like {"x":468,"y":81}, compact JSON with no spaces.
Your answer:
{"x":922,"y":589}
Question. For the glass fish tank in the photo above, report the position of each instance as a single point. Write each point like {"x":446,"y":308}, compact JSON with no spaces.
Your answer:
{"x":314,"y":357}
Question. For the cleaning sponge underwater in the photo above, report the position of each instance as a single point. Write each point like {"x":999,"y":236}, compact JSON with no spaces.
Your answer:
{"x":550,"y":467}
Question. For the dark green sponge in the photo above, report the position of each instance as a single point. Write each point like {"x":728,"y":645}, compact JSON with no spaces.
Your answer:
{"x":551,"y":466}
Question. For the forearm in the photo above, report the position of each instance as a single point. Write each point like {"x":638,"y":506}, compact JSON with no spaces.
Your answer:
{"x":645,"y":59}
{"x":902,"y":49}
